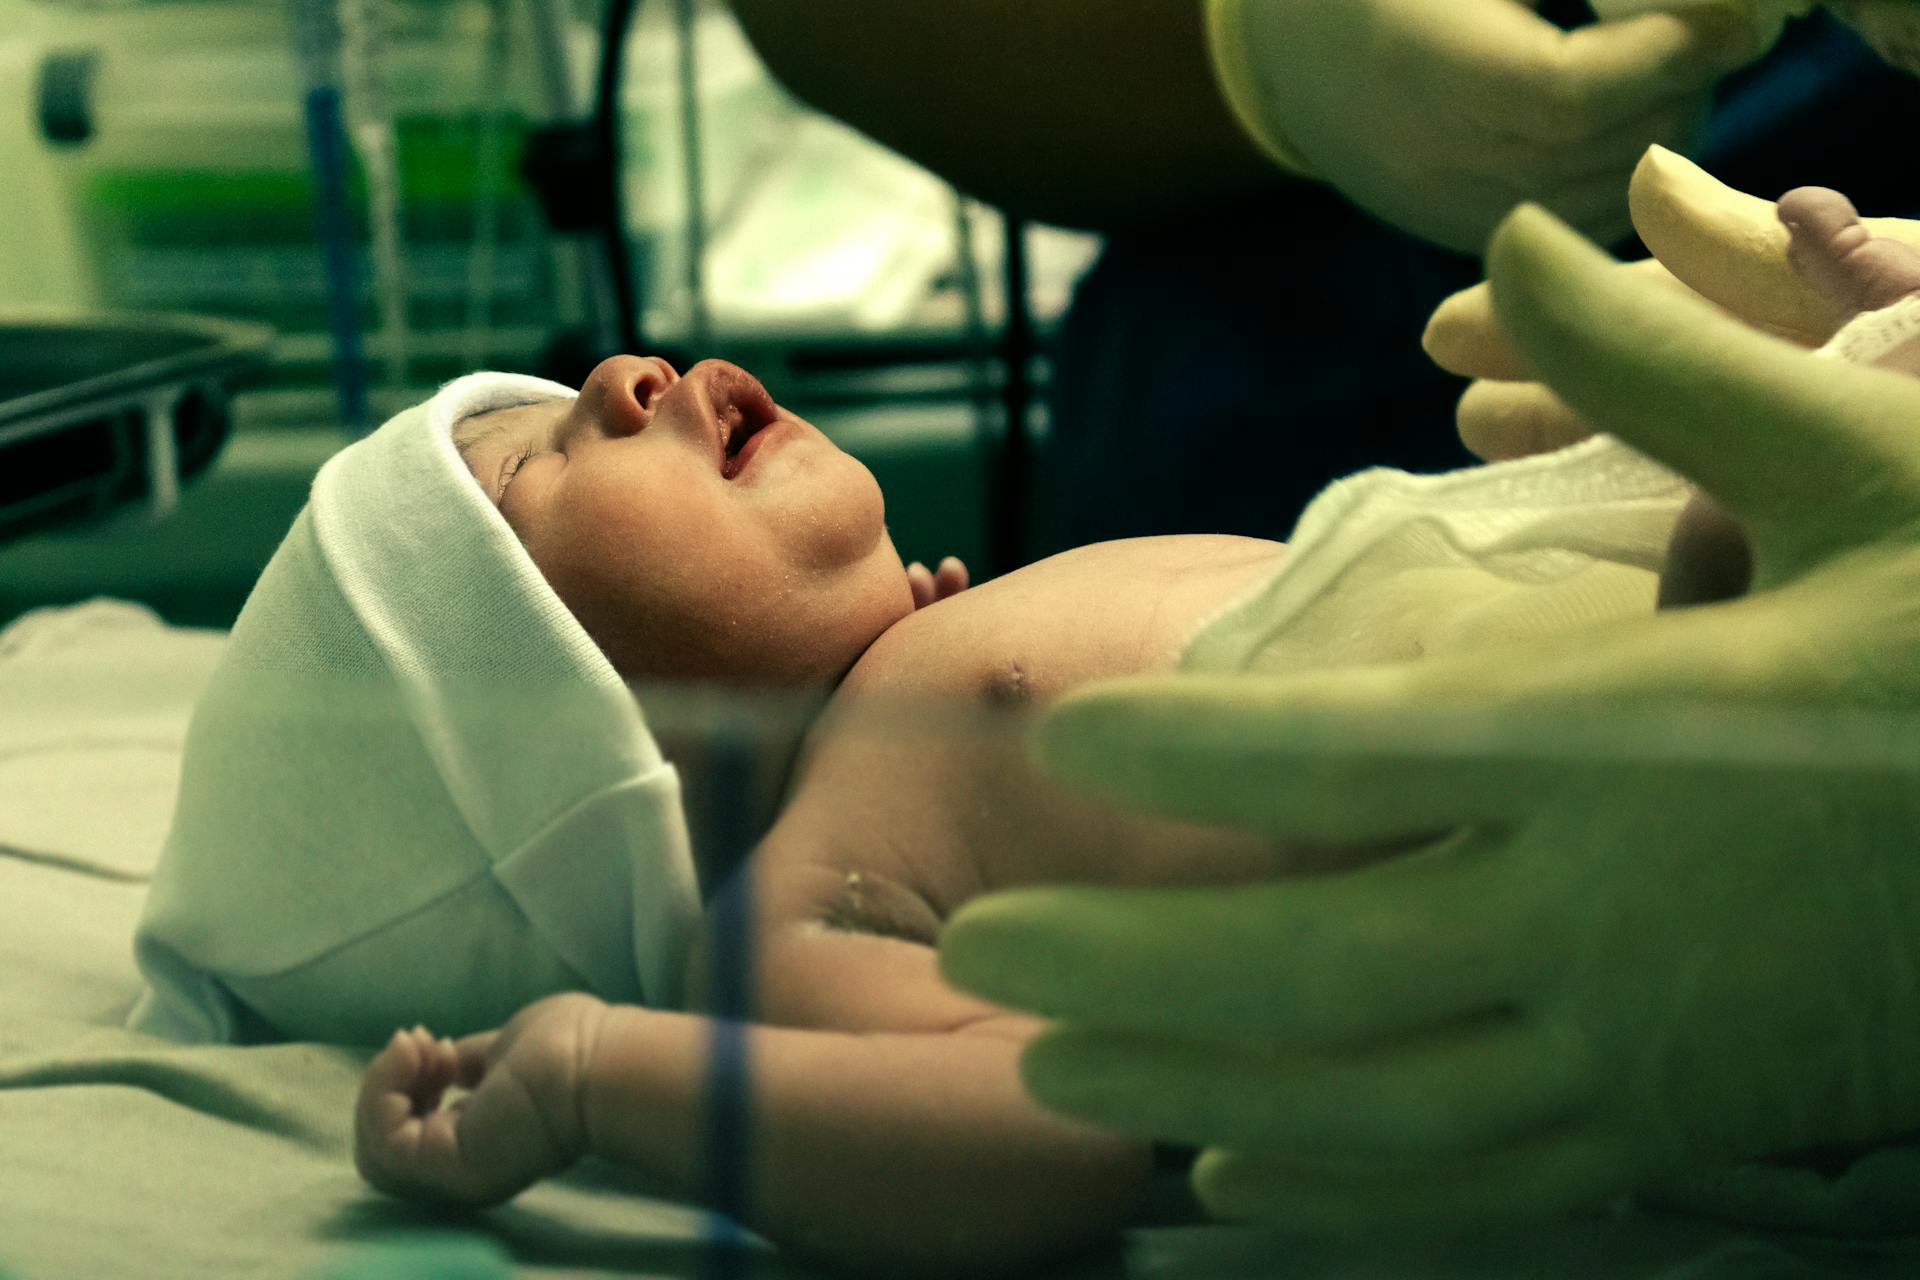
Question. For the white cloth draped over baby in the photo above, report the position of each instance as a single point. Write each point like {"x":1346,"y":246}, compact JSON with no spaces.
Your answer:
{"x":414,"y":790}
{"x":1385,"y":566}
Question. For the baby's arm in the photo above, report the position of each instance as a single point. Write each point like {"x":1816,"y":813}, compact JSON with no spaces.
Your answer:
{"x":893,"y":1152}
{"x":897,"y":1153}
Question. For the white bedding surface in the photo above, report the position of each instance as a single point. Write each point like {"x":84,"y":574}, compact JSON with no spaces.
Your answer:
{"x":121,"y":1155}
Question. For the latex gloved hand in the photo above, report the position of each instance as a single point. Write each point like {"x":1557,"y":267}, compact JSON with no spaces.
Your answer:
{"x":1890,"y":27}
{"x":1721,"y":244}
{"x":1440,"y":115}
{"x":1670,"y":913}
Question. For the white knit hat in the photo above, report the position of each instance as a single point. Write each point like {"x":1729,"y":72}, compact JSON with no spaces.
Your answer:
{"x":414,"y":790}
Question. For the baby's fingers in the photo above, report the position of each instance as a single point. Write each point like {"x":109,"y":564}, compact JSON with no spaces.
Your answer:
{"x":951,"y":578}
{"x":412,"y":1071}
{"x":471,"y":1054}
{"x":920,"y":579}
{"x":405,"y":1143}
{"x":933,"y":585}
{"x":399,"y":1084}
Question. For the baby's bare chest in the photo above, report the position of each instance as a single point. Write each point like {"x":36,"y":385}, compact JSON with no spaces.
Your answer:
{"x":1111,"y":609}
{"x":921,"y":778}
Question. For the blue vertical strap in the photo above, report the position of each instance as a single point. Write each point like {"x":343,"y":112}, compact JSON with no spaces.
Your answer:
{"x":728,"y":1102}
{"x":327,"y":152}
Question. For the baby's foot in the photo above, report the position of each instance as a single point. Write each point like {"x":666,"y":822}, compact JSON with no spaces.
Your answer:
{"x":1857,"y":272}
{"x":1833,"y":250}
{"x":1708,"y":556}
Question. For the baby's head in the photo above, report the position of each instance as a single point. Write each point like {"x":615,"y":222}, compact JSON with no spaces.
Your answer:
{"x":695,"y":528}
{"x":419,"y":787}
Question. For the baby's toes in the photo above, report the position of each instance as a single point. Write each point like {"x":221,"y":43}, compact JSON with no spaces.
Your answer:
{"x":1835,"y":252}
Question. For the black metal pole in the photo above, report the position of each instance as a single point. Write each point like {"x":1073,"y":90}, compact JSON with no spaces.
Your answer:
{"x":1012,"y":478}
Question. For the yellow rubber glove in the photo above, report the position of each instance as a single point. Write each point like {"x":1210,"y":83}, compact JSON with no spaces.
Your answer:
{"x":1725,"y":245}
{"x":1668,"y":915}
{"x":1441,"y":115}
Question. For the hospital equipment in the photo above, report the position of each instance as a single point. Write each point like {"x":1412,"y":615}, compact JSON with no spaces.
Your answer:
{"x":101,"y":412}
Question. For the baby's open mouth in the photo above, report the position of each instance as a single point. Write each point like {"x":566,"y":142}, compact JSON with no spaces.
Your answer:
{"x":738,"y":435}
{"x":744,"y":409}
{"x":740,"y":432}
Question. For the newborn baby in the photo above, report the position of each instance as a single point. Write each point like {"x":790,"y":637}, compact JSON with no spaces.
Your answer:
{"x":699,"y":531}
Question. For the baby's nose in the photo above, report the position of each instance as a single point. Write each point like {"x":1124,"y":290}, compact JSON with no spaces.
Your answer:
{"x":621,"y":391}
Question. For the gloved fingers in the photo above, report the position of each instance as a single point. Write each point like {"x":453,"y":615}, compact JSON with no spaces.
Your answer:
{"x":1590,"y":189}
{"x":1595,"y":206}
{"x":1311,"y":962}
{"x":1485,"y":738}
{"x":1501,"y":420}
{"x":1568,"y":1169}
{"x":1607,"y":157}
{"x":1463,"y":336}
{"x":1587,"y":82}
{"x":1463,"y":1088}
{"x":1345,"y":756}
{"x":1727,"y":246}
{"x":1687,"y":385}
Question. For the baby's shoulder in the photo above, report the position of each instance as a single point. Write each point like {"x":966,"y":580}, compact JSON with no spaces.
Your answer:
{"x":1108,"y":609}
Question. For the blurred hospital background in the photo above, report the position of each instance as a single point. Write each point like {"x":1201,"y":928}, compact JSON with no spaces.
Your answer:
{"x":237,"y":232}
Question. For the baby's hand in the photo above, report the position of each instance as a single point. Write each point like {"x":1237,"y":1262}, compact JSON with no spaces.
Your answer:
{"x":521,"y":1122}
{"x":931,"y":587}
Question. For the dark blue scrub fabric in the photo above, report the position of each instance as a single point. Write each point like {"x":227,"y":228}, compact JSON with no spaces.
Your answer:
{"x":1214,"y":373}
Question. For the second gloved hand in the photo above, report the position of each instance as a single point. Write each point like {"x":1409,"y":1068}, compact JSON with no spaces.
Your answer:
{"x":1441,"y":115}
{"x":1667,"y":911}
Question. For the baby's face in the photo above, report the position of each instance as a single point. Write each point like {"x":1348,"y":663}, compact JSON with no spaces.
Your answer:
{"x":695,"y":528}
